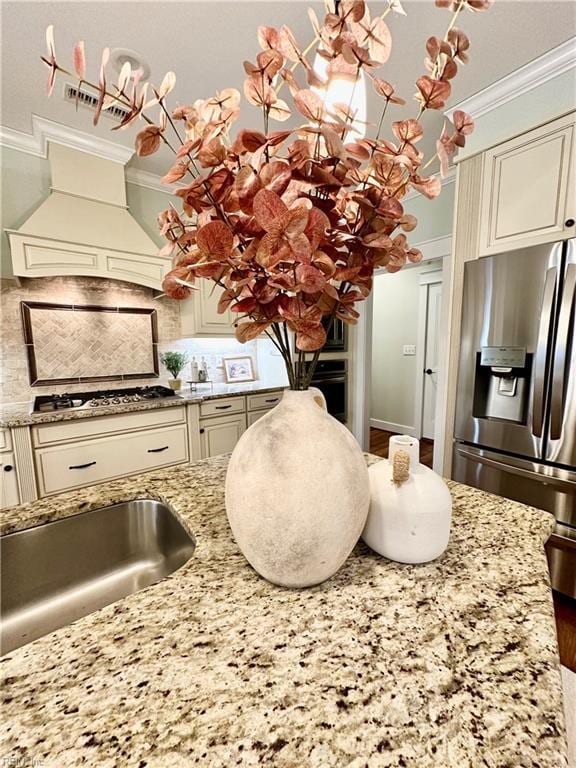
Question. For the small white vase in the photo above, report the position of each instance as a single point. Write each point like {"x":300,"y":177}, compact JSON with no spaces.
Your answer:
{"x":410,"y":506}
{"x":297,"y":492}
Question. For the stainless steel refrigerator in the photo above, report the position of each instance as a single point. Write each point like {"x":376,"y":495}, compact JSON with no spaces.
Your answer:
{"x":515,"y":430}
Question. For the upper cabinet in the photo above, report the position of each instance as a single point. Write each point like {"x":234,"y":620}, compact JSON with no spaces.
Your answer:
{"x":199,"y":314}
{"x":528,"y":191}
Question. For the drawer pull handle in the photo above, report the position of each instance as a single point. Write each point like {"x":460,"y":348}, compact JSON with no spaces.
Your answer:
{"x":82,"y":466}
{"x":272,"y":400}
{"x":222,"y":407}
{"x":158,"y":450}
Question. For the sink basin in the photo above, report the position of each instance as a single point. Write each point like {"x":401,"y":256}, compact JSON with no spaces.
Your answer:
{"x":56,"y":573}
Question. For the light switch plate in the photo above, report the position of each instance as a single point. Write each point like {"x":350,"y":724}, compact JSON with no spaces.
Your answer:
{"x":409,"y":349}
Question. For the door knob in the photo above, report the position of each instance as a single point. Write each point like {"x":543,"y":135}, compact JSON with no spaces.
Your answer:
{"x":429,"y":371}
{"x":569,"y":223}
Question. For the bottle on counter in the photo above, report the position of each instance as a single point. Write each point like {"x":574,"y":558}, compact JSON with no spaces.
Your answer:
{"x":203,"y":372}
{"x":194,"y":370}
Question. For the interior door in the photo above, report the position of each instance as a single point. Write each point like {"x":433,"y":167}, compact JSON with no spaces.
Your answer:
{"x":433,"y":306}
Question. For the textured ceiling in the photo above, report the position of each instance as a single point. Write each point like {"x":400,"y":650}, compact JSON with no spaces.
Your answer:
{"x":206,"y":42}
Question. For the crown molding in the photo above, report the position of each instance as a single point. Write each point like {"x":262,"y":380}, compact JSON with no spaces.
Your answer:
{"x":450,"y":178}
{"x":45,"y":131}
{"x":524,"y":79}
{"x":435,"y":247}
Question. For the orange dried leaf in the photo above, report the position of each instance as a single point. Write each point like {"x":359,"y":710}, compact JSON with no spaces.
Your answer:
{"x":215,"y":240}
{"x":148,"y":141}
{"x":79,"y":60}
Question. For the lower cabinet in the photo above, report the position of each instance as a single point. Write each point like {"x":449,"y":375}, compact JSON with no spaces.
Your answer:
{"x":223,"y":420}
{"x":9,"y":494}
{"x":72,"y":465}
{"x":60,"y":456}
{"x":253,"y":416}
{"x":220,"y":434}
{"x":72,"y":454}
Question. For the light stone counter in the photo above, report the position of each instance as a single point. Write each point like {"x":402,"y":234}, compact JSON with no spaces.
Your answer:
{"x":453,"y":664}
{"x":20,"y":414}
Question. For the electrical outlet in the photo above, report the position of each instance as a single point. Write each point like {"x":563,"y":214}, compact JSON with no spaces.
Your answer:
{"x":409,"y":349}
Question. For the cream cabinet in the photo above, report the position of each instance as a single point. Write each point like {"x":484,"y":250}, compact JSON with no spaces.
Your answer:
{"x":223,"y":420}
{"x":9,"y":493}
{"x":199,"y":314}
{"x":83,"y":452}
{"x":260,"y":405}
{"x":528,"y":189}
{"x":219,"y":434}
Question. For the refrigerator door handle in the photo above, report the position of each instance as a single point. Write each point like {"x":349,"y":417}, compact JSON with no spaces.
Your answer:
{"x":562,"y":478}
{"x":561,"y":352}
{"x":541,"y":357}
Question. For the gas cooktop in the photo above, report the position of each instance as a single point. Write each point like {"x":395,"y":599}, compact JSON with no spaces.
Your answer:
{"x":98,"y":399}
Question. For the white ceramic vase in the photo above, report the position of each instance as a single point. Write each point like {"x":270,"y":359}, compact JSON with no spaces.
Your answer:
{"x":410,"y":506}
{"x":297,"y":492}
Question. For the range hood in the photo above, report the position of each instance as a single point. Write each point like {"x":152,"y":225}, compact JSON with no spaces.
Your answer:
{"x":84,"y":226}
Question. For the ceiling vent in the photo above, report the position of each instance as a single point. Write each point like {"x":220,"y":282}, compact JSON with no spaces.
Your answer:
{"x":85,"y":98}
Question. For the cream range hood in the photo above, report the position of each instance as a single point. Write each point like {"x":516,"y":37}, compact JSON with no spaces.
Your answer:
{"x":84,"y":227}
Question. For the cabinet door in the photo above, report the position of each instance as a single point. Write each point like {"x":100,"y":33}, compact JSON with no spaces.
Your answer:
{"x":527,"y":189}
{"x":9,"y":495}
{"x":253,"y":416}
{"x":220,"y":435}
{"x":199,"y":314}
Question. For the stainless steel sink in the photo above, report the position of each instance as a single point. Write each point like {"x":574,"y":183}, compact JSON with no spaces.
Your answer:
{"x":56,"y":573}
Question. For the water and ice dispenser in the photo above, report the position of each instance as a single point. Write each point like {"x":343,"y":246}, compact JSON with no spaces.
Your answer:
{"x":502,"y":383}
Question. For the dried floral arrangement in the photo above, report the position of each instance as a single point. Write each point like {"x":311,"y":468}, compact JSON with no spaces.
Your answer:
{"x":291,"y":224}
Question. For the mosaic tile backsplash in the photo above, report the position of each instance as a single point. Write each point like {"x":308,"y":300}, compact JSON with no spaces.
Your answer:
{"x":82,"y":342}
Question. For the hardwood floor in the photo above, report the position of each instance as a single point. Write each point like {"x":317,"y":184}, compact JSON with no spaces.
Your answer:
{"x":565,"y":612}
{"x":379,"y":439}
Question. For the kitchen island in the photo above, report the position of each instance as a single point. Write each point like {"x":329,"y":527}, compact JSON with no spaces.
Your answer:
{"x":452,"y":664}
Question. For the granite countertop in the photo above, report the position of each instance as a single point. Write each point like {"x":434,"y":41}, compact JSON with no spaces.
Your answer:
{"x":452,"y":664}
{"x":20,"y":414}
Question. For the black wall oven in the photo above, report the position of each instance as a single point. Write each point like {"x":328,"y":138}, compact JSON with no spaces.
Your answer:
{"x":331,"y":378}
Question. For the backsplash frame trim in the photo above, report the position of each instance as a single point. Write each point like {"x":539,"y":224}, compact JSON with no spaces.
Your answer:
{"x":25,"y":310}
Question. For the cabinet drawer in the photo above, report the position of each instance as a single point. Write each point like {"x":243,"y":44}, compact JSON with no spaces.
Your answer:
{"x":222,"y":406}
{"x":78,"y":429}
{"x":5,"y":440}
{"x":267,"y":400}
{"x":78,"y":464}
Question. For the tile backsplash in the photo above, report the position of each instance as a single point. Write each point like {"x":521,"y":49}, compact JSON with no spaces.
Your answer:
{"x":72,"y":342}
{"x":15,"y":381}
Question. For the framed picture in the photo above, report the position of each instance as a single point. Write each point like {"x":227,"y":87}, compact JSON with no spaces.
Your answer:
{"x":238,"y":369}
